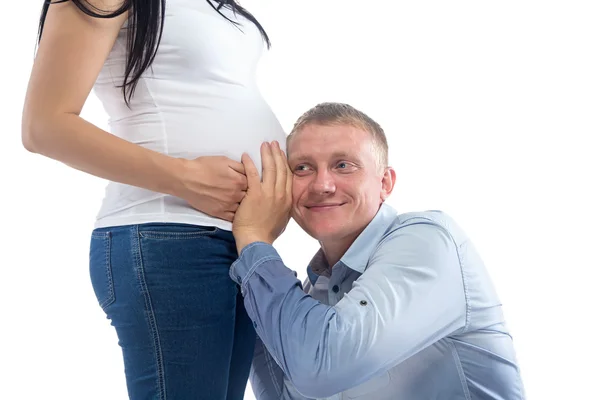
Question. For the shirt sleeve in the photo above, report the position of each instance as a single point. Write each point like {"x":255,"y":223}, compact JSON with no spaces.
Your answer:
{"x":410,"y":296}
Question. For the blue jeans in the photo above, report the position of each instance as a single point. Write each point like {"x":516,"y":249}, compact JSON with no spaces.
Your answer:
{"x":180,"y":319}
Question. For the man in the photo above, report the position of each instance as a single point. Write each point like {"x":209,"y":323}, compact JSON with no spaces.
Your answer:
{"x":394,"y":307}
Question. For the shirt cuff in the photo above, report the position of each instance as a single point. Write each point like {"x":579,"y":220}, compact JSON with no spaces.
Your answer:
{"x":251,"y":257}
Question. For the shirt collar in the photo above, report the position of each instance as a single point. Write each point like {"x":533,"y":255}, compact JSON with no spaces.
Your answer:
{"x":360,"y":250}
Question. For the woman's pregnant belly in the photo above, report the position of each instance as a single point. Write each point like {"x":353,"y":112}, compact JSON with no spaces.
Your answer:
{"x":207,"y":126}
{"x":197,"y":127}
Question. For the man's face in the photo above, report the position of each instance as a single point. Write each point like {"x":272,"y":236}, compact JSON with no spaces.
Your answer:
{"x":338,"y":185}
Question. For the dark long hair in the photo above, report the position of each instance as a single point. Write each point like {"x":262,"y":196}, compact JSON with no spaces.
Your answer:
{"x":144,"y":32}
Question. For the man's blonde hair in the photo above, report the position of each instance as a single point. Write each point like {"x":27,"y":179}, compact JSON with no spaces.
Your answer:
{"x":329,"y":114}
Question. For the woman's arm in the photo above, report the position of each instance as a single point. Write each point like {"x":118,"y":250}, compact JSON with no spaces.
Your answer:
{"x":72,"y":51}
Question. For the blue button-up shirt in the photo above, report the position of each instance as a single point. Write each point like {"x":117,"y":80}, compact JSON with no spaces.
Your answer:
{"x":408,"y":313}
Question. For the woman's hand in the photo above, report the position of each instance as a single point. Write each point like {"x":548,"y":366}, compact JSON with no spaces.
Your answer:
{"x":265,"y":210}
{"x":214,"y":185}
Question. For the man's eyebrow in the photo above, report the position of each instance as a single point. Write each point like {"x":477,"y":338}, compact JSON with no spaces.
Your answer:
{"x":307,"y":156}
{"x":341,"y":154}
{"x":303,"y":156}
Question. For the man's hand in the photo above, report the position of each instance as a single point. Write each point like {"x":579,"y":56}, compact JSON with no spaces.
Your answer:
{"x":264,"y":212}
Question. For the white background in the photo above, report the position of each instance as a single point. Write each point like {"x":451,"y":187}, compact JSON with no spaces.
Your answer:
{"x":492,"y":114}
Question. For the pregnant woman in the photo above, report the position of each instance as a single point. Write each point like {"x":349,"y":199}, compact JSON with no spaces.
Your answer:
{"x":177,"y":80}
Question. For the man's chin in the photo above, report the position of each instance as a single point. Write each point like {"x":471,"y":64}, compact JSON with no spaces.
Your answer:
{"x":322,"y":234}
{"x":317,"y":231}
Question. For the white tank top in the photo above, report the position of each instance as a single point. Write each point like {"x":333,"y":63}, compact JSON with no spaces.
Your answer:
{"x":199,"y":98}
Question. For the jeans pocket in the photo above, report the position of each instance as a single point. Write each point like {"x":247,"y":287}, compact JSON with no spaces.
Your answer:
{"x":100,"y":268}
{"x":176,"y":231}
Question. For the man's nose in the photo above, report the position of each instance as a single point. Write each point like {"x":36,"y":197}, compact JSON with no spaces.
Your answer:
{"x":323,"y":183}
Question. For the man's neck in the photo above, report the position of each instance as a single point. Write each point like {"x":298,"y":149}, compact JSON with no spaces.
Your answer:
{"x":335,"y":250}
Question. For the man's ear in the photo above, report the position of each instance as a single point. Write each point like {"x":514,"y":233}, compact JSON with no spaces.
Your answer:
{"x":387,"y":183}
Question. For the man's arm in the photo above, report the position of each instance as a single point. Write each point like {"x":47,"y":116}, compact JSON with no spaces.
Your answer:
{"x":410,"y":296}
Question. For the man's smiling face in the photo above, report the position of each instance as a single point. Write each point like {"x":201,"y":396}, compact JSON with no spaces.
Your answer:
{"x":338,"y":184}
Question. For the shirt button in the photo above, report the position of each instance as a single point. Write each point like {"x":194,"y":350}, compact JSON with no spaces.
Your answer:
{"x":335,"y":289}
{"x":255,"y":324}
{"x":239,"y":279}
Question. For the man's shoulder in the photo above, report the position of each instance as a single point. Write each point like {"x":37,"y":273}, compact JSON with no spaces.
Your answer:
{"x":431,"y":217}
{"x":427,"y":221}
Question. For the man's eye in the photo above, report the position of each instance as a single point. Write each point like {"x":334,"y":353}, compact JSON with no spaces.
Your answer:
{"x":343,"y":165}
{"x":301,"y":168}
